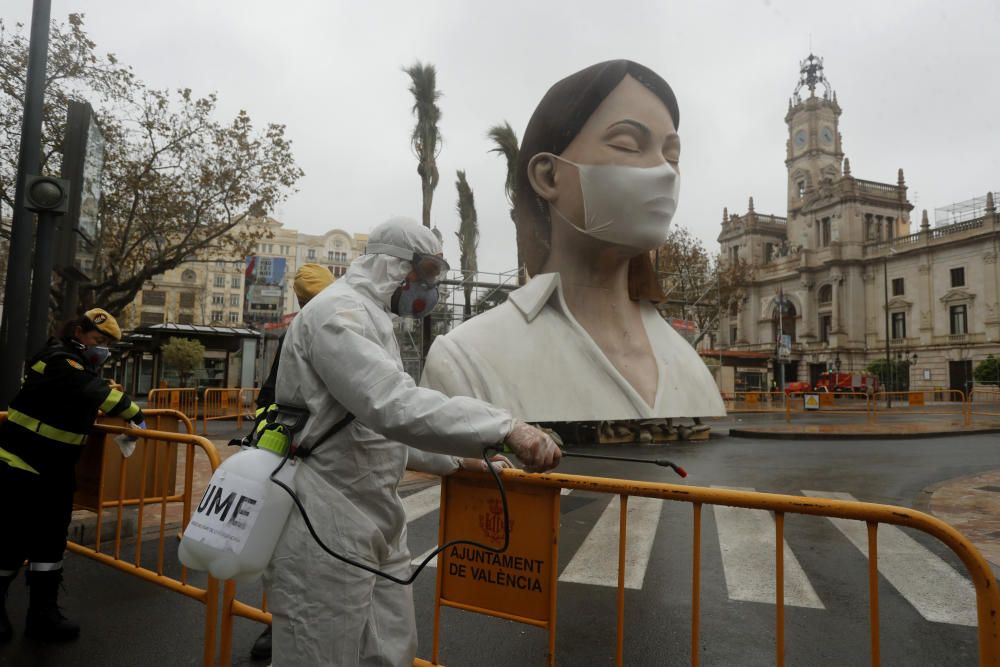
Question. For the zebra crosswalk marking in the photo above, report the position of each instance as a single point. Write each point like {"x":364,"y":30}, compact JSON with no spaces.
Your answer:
{"x":420,"y":559}
{"x":596,"y":561}
{"x":746,"y":539}
{"x":422,"y":503}
{"x":931,"y":585}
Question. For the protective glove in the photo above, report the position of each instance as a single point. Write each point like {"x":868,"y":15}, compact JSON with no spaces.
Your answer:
{"x":533,"y":446}
{"x":126,"y":444}
{"x":497,"y":462}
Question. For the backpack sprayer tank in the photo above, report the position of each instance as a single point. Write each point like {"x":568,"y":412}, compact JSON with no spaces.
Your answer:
{"x":234,"y":530}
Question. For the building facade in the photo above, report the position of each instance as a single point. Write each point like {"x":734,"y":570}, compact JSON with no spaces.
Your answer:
{"x":844,"y":279}
{"x":235,"y":291}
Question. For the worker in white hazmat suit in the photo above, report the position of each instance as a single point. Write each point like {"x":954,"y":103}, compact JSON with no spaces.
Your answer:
{"x":340,"y":356}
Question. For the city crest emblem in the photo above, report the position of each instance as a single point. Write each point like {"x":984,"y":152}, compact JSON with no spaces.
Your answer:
{"x":491,"y":522}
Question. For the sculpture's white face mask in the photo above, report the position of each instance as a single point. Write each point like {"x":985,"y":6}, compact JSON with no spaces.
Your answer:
{"x":628,"y":206}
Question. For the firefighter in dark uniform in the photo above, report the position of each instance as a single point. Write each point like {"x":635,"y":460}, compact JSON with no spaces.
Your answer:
{"x":40,"y":442}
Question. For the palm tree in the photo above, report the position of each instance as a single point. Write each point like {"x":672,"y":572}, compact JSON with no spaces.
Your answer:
{"x":505,"y":139}
{"x":468,"y":239}
{"x":426,"y":138}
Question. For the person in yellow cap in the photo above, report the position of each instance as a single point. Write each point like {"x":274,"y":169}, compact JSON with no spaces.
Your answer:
{"x":40,"y":443}
{"x":310,"y":280}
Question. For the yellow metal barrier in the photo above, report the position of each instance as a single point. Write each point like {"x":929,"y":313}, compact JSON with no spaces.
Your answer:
{"x":987,"y":595}
{"x":158,"y":446}
{"x":837,"y":403}
{"x":927,"y":402}
{"x":755,"y":401}
{"x":983,"y":402}
{"x":234,"y":402}
{"x":182,"y":400}
{"x":104,"y":465}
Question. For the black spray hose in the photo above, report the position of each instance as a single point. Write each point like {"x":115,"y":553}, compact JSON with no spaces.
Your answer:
{"x":660,"y":462}
{"x":413,"y":575}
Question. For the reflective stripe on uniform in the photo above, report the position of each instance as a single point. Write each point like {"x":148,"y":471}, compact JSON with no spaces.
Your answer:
{"x":50,"y":432}
{"x":112,"y":400}
{"x":38,"y":367}
{"x":131,"y":411}
{"x":45,"y":567}
{"x":15,"y":461}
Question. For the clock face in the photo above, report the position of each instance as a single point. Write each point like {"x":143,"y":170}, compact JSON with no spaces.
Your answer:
{"x":826,"y":135}
{"x":800,"y":138}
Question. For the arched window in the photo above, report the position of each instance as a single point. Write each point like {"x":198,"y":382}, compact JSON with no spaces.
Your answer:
{"x":825,"y":294}
{"x":188,"y":276}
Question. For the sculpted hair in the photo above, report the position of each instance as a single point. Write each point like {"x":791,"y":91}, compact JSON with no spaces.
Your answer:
{"x":557,"y":120}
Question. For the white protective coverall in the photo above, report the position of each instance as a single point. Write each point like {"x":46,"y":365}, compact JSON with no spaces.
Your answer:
{"x":340,"y":355}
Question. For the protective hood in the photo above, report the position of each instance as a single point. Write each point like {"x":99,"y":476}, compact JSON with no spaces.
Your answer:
{"x":378,"y":276}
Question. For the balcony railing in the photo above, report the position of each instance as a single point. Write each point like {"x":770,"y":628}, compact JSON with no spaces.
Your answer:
{"x":873,"y":247}
{"x":959,"y":339}
{"x":874,"y":187}
{"x":958,"y":227}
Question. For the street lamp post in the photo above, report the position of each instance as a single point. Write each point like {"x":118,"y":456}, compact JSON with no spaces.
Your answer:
{"x":14,"y":324}
{"x":885,"y":287}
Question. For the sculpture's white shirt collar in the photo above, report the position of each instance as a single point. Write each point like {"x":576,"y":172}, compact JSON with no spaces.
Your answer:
{"x":531,"y":298}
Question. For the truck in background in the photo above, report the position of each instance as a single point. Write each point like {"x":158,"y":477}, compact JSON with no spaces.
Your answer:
{"x":860,"y":383}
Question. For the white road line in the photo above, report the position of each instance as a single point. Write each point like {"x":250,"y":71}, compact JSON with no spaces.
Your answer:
{"x":746,"y":538}
{"x":596,"y":561}
{"x":422,"y":503}
{"x":931,"y":585}
{"x":419,"y":559}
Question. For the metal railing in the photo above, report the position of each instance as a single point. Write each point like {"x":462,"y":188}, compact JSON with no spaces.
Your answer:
{"x":983,"y":403}
{"x":921,"y":401}
{"x":228,"y":403}
{"x":182,"y":400}
{"x":755,"y":401}
{"x":987,"y":595}
{"x":835,"y":402}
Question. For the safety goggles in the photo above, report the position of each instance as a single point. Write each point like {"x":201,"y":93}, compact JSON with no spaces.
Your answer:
{"x":430,"y":268}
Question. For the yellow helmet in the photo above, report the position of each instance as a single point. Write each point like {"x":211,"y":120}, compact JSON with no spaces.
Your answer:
{"x":104,"y":322}
{"x":310,"y":280}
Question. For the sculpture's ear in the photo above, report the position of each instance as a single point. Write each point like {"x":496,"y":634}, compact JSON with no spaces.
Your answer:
{"x":542,"y":176}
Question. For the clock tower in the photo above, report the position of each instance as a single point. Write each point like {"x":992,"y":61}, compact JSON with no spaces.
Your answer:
{"x":813,"y":151}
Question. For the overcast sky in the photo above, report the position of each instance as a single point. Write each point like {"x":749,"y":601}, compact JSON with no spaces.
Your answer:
{"x":917,"y":82}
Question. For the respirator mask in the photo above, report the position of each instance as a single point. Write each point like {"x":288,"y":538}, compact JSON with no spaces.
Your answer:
{"x":415,"y":298}
{"x":97,"y":355}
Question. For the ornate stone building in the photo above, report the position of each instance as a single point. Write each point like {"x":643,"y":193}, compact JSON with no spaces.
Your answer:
{"x":827,"y":274}
{"x":214,"y":291}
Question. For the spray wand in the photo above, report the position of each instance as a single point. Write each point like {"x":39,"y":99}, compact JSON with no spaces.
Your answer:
{"x":660,"y":462}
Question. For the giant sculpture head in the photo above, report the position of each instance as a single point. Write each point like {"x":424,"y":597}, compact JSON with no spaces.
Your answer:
{"x":598,"y":170}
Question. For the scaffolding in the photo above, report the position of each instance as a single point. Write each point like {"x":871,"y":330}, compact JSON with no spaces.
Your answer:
{"x":962,"y":211}
{"x":485,"y":291}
